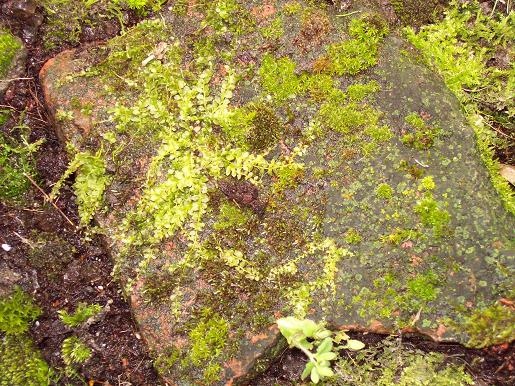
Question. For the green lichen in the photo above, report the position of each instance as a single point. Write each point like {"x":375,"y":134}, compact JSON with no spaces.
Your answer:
{"x":352,"y":236}
{"x":9,"y":46}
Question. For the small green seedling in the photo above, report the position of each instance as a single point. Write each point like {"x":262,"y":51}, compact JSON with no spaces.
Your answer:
{"x":82,"y":313}
{"x":307,"y":335}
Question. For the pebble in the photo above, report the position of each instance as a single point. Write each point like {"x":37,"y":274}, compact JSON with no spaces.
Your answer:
{"x":6,"y":247}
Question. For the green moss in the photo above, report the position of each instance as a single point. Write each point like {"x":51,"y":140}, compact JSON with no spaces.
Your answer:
{"x":427,"y":184}
{"x":352,"y":236}
{"x":74,"y":351}
{"x":432,"y":215}
{"x":17,"y":311}
{"x":9,"y":46}
{"x":347,"y":118}
{"x":488,"y":326}
{"x":391,"y":363}
{"x":359,"y":53}
{"x":423,"y":288}
{"x":231,"y":216}
{"x":278,"y":78}
{"x":208,"y":339}
{"x":322,"y":87}
{"x":90,"y":183}
{"x":16,"y":162}
{"x":424,"y":135}
{"x":275,"y":30}
{"x":384,"y":191}
{"x":22,"y":364}
{"x":357,"y":92}
{"x":415,"y":12}
{"x":399,"y":235}
{"x":457,"y":42}
{"x":265,"y":129}
{"x":288,"y":177}
{"x":82,"y":313}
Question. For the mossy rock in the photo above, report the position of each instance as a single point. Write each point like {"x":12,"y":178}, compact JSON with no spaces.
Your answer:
{"x":12,"y":58}
{"x":326,"y":213}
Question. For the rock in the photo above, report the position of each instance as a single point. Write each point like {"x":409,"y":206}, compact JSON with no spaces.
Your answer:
{"x":370,"y":222}
{"x":12,"y":59}
{"x":508,"y":172}
{"x":25,"y":13}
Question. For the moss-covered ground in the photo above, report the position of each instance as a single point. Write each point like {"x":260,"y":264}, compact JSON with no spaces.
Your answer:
{"x":251,"y":160}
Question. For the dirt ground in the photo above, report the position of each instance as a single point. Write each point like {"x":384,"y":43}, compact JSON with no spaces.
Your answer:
{"x":63,"y":267}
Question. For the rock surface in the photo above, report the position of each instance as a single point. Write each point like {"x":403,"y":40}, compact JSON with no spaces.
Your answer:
{"x":271,"y":158}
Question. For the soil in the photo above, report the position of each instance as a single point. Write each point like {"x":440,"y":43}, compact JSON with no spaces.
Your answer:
{"x":84,"y":274}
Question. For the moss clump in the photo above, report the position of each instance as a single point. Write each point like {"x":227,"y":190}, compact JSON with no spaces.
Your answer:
{"x":231,"y":216}
{"x":266,"y":128}
{"x":416,"y":12}
{"x":422,"y":288}
{"x":352,"y":236}
{"x":489,"y":325}
{"x":432,"y":215}
{"x":17,"y":312}
{"x":390,"y":363}
{"x":90,"y":183}
{"x":20,"y":362}
{"x":275,"y":30}
{"x":357,"y":92}
{"x":424,"y":135}
{"x":9,"y":46}
{"x":347,"y":118}
{"x":399,"y":235}
{"x":384,"y":191}
{"x":359,"y":53}
{"x":278,"y":78}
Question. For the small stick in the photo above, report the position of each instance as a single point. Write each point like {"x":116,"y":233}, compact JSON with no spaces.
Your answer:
{"x":348,"y":14}
{"x":47,"y":198}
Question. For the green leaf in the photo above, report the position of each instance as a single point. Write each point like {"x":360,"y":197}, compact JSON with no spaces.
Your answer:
{"x":326,"y":346}
{"x":307,"y":370}
{"x":315,"y":377}
{"x":354,"y":345}
{"x":325,"y":372}
{"x":327,"y":356}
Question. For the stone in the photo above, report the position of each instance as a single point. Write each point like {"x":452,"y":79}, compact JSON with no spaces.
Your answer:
{"x":358,"y":214}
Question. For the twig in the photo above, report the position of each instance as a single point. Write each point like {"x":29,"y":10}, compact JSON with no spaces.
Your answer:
{"x":48,"y":199}
{"x":13,"y":79}
{"x":348,"y":14}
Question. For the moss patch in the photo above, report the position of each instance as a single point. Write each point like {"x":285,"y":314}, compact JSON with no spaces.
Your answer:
{"x":9,"y":46}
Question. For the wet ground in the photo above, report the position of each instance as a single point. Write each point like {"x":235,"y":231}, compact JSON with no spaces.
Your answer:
{"x":63,"y":267}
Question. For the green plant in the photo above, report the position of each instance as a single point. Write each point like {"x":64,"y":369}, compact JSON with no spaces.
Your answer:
{"x":278,"y":77}
{"x":17,"y":311}
{"x":9,"y":46}
{"x":359,"y":53}
{"x":384,"y":191}
{"x":16,"y":163}
{"x":424,"y":135}
{"x":90,"y":183}
{"x":431,"y":214}
{"x":391,"y":363}
{"x":461,"y":47}
{"x":307,"y":335}
{"x":74,"y":351}
{"x":82,"y":313}
{"x":21,"y":363}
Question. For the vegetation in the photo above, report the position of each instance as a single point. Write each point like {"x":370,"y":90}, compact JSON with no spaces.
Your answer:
{"x":307,"y":335}
{"x":82,"y":313}
{"x":467,"y":38}
{"x":74,"y":352}
{"x":20,"y":361}
{"x":9,"y":46}
{"x":90,"y":182}
{"x":16,"y":163}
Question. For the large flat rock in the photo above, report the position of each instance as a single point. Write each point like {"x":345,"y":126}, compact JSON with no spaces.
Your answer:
{"x":272,"y":158}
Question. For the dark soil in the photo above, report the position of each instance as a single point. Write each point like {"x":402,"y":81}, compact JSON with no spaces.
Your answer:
{"x":62,"y":267}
